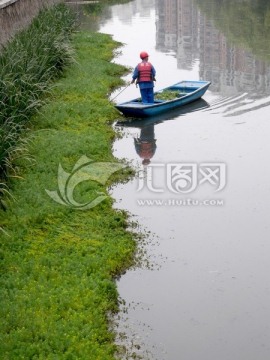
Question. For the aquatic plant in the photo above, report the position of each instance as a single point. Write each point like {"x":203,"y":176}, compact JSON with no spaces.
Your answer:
{"x":167,"y":95}
{"x":59,"y":264}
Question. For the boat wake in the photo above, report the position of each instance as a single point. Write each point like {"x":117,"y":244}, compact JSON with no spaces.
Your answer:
{"x":238,"y":105}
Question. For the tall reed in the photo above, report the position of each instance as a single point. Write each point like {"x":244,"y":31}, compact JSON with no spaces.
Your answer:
{"x":29,"y":64}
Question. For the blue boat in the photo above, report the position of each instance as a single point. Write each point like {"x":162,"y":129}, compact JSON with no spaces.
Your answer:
{"x":185,"y":92}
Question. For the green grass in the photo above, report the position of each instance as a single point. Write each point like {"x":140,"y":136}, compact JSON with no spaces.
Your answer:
{"x":59,"y":264}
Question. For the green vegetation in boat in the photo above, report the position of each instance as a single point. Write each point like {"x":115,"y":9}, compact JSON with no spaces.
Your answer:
{"x":168,"y":95}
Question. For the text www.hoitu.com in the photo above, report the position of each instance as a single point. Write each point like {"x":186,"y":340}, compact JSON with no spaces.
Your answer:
{"x":180,"y":202}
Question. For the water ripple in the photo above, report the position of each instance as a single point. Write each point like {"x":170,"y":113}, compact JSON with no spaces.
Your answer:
{"x":238,"y":105}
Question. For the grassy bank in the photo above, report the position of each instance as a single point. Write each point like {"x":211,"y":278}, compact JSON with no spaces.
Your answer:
{"x":29,"y":64}
{"x":59,"y":263}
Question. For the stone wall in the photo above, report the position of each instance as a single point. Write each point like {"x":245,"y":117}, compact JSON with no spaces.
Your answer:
{"x":18,"y":15}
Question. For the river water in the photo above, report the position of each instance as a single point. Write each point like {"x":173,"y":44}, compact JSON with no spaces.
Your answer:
{"x":201,"y":190}
{"x":203,"y":198}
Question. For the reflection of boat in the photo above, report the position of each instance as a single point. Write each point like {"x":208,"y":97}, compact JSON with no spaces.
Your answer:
{"x":184,"y":93}
{"x":170,"y":115}
{"x":145,"y":143}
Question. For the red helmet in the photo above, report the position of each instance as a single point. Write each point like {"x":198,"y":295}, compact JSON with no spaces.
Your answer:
{"x":143,"y":55}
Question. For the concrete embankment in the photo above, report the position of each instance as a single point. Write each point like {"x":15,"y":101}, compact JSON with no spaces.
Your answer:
{"x":5,"y":3}
{"x":15,"y":15}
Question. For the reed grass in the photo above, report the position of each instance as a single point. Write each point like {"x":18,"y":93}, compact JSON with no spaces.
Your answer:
{"x":29,"y":64}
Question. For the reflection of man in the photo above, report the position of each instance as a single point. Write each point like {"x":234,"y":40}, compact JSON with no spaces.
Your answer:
{"x":145,"y":145}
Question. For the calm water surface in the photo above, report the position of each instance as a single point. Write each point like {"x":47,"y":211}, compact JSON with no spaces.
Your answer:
{"x":207,"y":295}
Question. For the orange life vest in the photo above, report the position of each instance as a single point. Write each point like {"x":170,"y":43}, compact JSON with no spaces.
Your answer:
{"x":145,"y":71}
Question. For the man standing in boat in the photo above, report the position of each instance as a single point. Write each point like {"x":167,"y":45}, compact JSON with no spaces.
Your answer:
{"x":144,"y":74}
